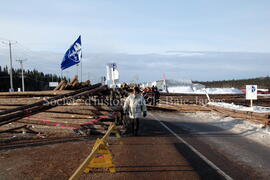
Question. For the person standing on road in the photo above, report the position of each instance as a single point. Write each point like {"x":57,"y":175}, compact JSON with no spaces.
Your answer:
{"x":135,"y":106}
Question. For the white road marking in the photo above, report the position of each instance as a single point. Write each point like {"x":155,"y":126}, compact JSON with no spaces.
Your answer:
{"x":226,"y":176}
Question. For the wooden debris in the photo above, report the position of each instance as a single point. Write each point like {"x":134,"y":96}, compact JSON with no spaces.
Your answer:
{"x":260,"y":118}
{"x":59,"y":85}
{"x":72,"y":85}
{"x":31,"y":94}
{"x":23,"y":129}
{"x":14,"y":114}
{"x":83,"y":108}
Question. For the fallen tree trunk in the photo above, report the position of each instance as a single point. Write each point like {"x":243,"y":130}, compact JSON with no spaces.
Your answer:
{"x":48,"y":100}
{"x":257,"y":117}
{"x":59,"y":85}
{"x":38,"y":107}
{"x":31,"y":94}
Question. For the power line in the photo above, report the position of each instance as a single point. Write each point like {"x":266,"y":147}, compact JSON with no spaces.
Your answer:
{"x":24,"y":50}
{"x":23,"y":47}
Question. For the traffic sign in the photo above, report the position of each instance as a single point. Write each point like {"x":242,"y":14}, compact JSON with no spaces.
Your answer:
{"x":251,"y":92}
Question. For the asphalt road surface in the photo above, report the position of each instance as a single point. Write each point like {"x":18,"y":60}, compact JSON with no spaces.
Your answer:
{"x":170,"y":146}
{"x":157,"y":154}
{"x":234,"y":154}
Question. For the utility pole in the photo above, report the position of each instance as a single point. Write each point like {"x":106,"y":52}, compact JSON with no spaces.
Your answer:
{"x":21,"y":62}
{"x":9,"y":43}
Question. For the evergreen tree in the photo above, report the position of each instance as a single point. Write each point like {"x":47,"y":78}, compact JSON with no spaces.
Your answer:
{"x":262,"y":82}
{"x":34,"y":80}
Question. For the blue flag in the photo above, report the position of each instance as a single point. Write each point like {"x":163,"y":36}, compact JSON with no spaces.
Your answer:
{"x":73,"y":54}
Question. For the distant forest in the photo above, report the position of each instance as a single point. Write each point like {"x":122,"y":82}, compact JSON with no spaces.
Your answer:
{"x":33,"y":80}
{"x":37,"y":81}
{"x":262,"y":82}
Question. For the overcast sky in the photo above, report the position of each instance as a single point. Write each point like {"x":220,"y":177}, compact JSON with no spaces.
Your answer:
{"x":195,"y":39}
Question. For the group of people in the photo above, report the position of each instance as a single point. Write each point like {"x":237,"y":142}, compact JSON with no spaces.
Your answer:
{"x":151,"y":95}
{"x":135,"y":107}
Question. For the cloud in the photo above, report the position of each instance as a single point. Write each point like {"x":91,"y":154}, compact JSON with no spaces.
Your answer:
{"x":184,"y":53}
{"x":149,"y":67}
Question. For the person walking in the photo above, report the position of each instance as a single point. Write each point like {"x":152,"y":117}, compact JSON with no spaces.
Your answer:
{"x":136,"y":108}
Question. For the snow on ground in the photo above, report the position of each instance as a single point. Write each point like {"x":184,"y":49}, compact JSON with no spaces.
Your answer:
{"x":190,"y":90}
{"x":242,"y":127}
{"x":264,"y":95}
{"x":221,"y":91}
{"x":257,"y":109}
{"x":180,"y":89}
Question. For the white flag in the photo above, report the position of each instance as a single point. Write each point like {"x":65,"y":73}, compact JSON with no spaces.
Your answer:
{"x":112,"y":72}
{"x":115,"y":74}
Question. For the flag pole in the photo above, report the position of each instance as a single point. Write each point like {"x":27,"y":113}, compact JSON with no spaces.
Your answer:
{"x":113,"y":79}
{"x":77,"y":70}
{"x":81,"y":71}
{"x":81,"y":61}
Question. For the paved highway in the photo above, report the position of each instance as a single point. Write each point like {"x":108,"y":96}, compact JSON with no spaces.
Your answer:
{"x":234,"y":154}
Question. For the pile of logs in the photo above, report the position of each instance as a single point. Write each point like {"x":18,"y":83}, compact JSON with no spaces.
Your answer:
{"x":72,"y":85}
{"x":70,"y":113}
{"x":14,"y":114}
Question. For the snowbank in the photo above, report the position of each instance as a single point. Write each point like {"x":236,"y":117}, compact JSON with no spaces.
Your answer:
{"x":258,"y":109}
{"x":222,"y":91}
{"x":190,"y":90}
{"x":246,"y":128}
{"x":181,"y":89}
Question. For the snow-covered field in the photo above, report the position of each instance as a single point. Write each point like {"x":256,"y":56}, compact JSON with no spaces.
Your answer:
{"x":258,"y":109}
{"x":242,"y":127}
{"x":190,"y":90}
